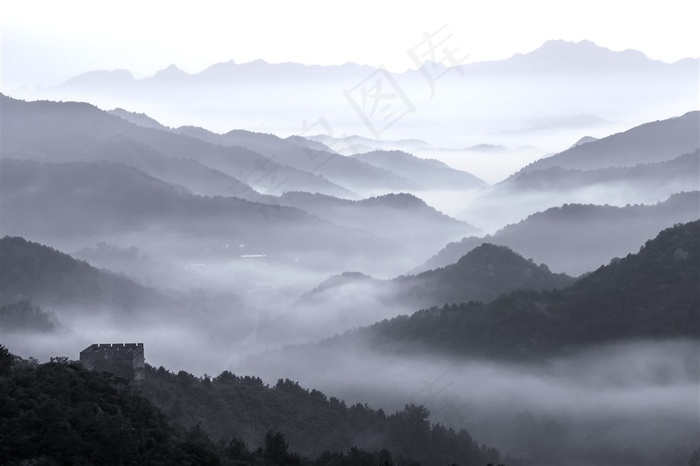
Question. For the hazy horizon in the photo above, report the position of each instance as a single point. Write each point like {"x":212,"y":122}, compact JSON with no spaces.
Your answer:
{"x":492,"y":210}
{"x":43,"y":41}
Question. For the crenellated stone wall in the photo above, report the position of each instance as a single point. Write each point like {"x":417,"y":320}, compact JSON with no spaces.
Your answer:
{"x":124,"y":360}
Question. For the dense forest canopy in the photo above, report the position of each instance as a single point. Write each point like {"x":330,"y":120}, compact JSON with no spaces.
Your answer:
{"x":60,"y":413}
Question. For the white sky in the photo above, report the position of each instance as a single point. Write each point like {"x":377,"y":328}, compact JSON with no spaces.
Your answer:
{"x":47,"y":42}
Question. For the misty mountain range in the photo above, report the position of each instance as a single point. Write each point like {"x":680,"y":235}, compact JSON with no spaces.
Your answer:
{"x":425,"y":172}
{"x":154,"y":193}
{"x":657,"y":141}
{"x":104,"y":200}
{"x":658,"y":280}
{"x":651,"y":294}
{"x":502,"y":297}
{"x":55,"y":280}
{"x":163,"y":176}
{"x":343,"y":171}
{"x":52,"y":131}
{"x":555,"y":56}
{"x":354,"y":144}
{"x":398,"y":170}
{"x":399,"y":217}
{"x":46,"y":131}
{"x":50,"y":278}
{"x":665,"y":176}
{"x":157,"y":188}
{"x":236,"y":219}
{"x":577,"y":238}
{"x":645,"y":164}
{"x":544,"y":339}
{"x":527,"y":87}
{"x":483,"y":274}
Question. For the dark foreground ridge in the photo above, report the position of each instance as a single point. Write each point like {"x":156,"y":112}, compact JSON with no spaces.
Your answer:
{"x":61,"y":413}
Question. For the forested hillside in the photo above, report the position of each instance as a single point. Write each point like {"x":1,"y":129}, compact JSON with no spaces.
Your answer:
{"x":31,"y":271}
{"x":651,"y":294}
{"x":60,"y":413}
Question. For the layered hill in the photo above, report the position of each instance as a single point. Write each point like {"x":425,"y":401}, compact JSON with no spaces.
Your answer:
{"x":648,"y":295}
{"x":656,"y":141}
{"x":354,"y":144}
{"x":399,"y":217}
{"x":483,"y":274}
{"x":140,"y":119}
{"x":50,"y":278}
{"x":656,"y":178}
{"x":586,"y":349}
{"x":577,"y":238}
{"x":645,"y":164}
{"x":342,"y":170}
{"x":93,"y":202}
{"x":71,"y":132}
{"x":355,"y":299}
{"x":428,"y":173}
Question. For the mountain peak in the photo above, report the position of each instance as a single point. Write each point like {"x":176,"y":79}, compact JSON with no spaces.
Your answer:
{"x":171,"y":72}
{"x":101,"y":78}
{"x":140,"y":119}
{"x":342,"y":279}
{"x":579,"y":57}
{"x":584,"y":140}
{"x":496,"y":256}
{"x":561,"y":43}
{"x":483,"y":274}
{"x":398,"y":200}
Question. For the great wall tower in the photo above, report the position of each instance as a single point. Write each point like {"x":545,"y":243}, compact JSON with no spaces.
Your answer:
{"x":125,"y":360}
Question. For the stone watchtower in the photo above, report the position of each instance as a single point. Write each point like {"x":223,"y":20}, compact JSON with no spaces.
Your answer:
{"x":124,"y":360}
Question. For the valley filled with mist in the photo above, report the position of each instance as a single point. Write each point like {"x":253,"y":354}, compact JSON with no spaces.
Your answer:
{"x":507,"y":273}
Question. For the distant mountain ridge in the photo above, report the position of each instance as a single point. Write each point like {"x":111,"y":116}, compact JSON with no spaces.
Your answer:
{"x":311,"y":154}
{"x":401,"y":216}
{"x":385,"y":212}
{"x":71,"y":131}
{"x":354,"y":144}
{"x":680,"y":173}
{"x":344,"y":171}
{"x":552,"y":56}
{"x":577,"y":238}
{"x":582,"y":57}
{"x":283,"y":96}
{"x":430,"y":173}
{"x":140,"y":119}
{"x":242,"y":163}
{"x":103,"y":199}
{"x":642,"y":165}
{"x":175,"y":172}
{"x":656,"y":141}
